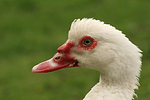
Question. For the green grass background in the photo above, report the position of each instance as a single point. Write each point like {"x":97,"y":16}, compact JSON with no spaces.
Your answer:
{"x":32,"y":30}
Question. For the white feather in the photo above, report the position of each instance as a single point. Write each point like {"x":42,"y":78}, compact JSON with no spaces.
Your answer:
{"x":117,"y":59}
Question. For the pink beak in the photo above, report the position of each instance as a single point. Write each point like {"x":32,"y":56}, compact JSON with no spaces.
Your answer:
{"x":60,"y":60}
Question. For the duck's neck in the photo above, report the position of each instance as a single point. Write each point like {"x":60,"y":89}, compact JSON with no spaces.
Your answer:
{"x":111,"y":90}
{"x":117,"y":85}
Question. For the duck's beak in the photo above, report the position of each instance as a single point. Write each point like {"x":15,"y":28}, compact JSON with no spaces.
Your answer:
{"x":60,"y":60}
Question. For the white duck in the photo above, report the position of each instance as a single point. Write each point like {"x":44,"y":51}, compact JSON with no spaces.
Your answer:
{"x":93,"y":44}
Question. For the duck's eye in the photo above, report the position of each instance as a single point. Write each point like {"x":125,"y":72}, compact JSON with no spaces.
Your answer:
{"x":87,"y":42}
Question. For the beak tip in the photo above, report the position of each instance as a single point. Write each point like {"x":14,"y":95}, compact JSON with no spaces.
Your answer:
{"x":41,"y":67}
{"x":34,"y":69}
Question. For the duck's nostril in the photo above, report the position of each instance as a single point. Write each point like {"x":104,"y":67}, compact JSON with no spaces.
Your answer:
{"x":57,"y":58}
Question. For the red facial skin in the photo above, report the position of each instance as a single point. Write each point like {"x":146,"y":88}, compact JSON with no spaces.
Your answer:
{"x":63,"y":59}
{"x":85,"y":47}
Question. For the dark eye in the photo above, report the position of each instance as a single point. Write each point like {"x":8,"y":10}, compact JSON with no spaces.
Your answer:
{"x":87,"y":42}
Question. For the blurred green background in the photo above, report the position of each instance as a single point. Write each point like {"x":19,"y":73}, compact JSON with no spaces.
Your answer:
{"x":32,"y":30}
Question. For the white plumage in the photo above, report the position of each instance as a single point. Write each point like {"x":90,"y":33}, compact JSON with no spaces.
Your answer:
{"x":93,"y":44}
